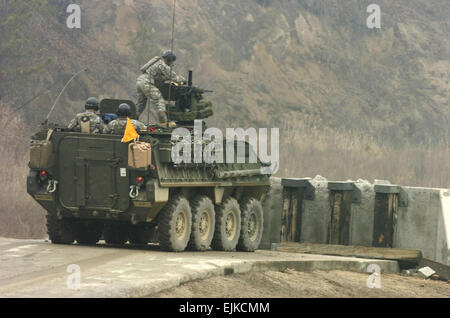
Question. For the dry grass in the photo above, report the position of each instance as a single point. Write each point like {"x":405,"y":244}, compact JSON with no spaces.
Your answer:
{"x":306,"y":150}
{"x":20,"y":215}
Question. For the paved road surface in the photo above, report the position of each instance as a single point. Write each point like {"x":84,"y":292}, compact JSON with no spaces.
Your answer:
{"x":37,"y":268}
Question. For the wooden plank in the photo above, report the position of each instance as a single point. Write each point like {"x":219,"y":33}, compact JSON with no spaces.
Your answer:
{"x":386,"y":206}
{"x":407,"y":258}
{"x":339,"y":232}
{"x":300,"y":193}
{"x":284,"y":214}
{"x":346,"y":206}
{"x":336,"y":199}
{"x":294,"y":215}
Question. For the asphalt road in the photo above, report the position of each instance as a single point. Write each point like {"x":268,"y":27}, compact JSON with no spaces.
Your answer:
{"x":37,"y":268}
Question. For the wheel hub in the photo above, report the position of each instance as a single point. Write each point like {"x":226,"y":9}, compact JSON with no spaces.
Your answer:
{"x":252,"y":227}
{"x":204,"y":225}
{"x":180,"y":225}
{"x":230,"y":226}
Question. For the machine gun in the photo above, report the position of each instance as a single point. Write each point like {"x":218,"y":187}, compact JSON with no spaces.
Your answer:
{"x":189,"y":103}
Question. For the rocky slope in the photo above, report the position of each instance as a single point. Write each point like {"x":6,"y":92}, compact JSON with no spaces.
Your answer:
{"x":269,"y":62}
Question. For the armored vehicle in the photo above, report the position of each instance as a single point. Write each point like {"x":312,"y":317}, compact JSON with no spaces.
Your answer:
{"x":92,"y":190}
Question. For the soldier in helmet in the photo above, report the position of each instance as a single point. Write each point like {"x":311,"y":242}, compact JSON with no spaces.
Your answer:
{"x":89,"y":121}
{"x":117,"y":126}
{"x":157,"y":70}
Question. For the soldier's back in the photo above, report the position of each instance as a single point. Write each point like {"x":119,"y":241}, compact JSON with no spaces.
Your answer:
{"x":88,"y":121}
{"x":117,"y":126}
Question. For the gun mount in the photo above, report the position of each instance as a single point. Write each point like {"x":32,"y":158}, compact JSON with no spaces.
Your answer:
{"x":189,"y":103}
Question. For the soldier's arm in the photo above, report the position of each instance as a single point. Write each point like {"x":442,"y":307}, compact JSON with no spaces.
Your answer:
{"x":101,"y":127}
{"x":73,"y":123}
{"x":168,"y":74}
{"x":100,"y":124}
{"x":142,"y":126}
{"x":106,"y":129}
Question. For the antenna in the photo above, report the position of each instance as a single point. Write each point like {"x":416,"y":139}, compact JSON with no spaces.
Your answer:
{"x":173,"y":25}
{"x":62,"y":91}
{"x":171,"y":48}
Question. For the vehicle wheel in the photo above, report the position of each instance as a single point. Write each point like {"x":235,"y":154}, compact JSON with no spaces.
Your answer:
{"x":88,"y":232}
{"x":175,"y":224}
{"x":140,"y":234}
{"x":203,"y":222}
{"x":228,"y":226}
{"x":59,"y":231}
{"x":115,"y":233}
{"x":252,"y":225}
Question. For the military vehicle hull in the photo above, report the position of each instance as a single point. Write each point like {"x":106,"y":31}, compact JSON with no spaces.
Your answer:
{"x":90,"y":191}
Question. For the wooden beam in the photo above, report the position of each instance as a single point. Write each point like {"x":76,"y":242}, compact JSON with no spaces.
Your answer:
{"x":407,"y":258}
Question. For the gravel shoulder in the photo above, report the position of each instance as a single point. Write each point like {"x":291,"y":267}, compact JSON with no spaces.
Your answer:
{"x":293,"y":284}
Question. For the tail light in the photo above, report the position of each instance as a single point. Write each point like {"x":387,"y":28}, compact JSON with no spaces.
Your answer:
{"x":43,"y":175}
{"x":140,"y":181}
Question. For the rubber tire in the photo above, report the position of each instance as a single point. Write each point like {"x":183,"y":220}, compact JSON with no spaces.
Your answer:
{"x":139,"y":234}
{"x":249,"y":207}
{"x":88,"y":232}
{"x":168,"y":240}
{"x":115,"y":233}
{"x":199,"y":205}
{"x":220,"y":241}
{"x":59,"y":231}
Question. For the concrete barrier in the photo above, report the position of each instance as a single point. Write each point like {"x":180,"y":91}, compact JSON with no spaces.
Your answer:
{"x":359,"y":213}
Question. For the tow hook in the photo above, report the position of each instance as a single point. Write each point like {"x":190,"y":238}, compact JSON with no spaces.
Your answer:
{"x":134,"y":191}
{"x":51,"y":187}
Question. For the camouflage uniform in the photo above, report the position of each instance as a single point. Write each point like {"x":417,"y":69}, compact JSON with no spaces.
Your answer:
{"x":117,"y":126}
{"x":156,"y":70}
{"x":95,"y":122}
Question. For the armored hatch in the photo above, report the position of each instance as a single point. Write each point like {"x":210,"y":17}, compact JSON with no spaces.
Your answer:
{"x":109,"y":106}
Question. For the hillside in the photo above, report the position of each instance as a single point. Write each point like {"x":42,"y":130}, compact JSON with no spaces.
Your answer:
{"x":267,"y":61}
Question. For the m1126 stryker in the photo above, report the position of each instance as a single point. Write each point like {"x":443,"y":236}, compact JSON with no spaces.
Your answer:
{"x":90,"y":190}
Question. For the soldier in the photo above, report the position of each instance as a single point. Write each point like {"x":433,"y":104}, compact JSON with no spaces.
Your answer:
{"x":117,"y":126}
{"x":157,"y":70}
{"x":89,"y":121}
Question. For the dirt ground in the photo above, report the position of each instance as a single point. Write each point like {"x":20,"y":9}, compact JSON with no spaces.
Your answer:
{"x":293,"y":284}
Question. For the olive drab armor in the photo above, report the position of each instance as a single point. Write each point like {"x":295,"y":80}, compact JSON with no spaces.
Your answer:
{"x":96,"y":185}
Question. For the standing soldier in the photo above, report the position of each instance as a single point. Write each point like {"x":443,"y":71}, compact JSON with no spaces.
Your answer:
{"x":155,"y":72}
{"x":117,"y":126}
{"x":89,"y":121}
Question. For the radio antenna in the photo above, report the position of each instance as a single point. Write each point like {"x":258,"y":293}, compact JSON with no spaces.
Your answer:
{"x":171,"y":48}
{"x":62,"y":91}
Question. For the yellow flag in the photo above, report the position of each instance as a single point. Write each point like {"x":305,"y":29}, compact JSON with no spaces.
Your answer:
{"x":130,"y":132}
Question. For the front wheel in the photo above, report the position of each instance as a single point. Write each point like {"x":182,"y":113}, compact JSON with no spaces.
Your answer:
{"x":175,"y":222}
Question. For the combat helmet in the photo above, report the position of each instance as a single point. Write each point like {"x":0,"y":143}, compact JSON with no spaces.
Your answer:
{"x":124,"y":110}
{"x":169,"y":56}
{"x":91,"y":103}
